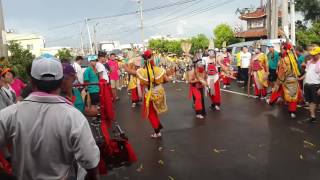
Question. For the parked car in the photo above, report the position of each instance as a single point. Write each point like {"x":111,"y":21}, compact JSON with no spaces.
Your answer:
{"x":235,"y":48}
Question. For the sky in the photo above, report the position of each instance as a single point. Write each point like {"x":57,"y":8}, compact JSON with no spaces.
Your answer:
{"x":61,"y":22}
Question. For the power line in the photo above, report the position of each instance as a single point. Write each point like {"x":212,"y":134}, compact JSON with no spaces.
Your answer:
{"x":145,"y":10}
{"x":193,"y":13}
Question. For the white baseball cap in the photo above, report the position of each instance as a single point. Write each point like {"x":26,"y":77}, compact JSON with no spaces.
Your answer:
{"x":47,"y":69}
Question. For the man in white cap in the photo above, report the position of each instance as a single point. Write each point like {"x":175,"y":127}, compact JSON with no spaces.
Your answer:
{"x":49,"y":136}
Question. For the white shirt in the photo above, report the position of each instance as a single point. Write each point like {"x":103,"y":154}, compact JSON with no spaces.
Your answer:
{"x":10,"y":93}
{"x":47,"y":135}
{"x":102,"y":69}
{"x":245,"y":59}
{"x":79,"y":72}
{"x":312,"y":77}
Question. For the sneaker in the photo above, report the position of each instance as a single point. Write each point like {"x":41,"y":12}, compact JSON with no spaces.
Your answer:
{"x":293,"y":115}
{"x":199,"y":116}
{"x":134,"y":105}
{"x":224,"y":86}
{"x":312,"y":120}
{"x":268,"y":101}
{"x":217,"y":108}
{"x":262,"y":98}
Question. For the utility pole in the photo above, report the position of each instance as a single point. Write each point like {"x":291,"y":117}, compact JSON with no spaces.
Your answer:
{"x":3,"y":43}
{"x":89,"y":36}
{"x":81,"y":42}
{"x":293,"y":21}
{"x":95,"y":38}
{"x":268,"y":12}
{"x":274,"y":19}
{"x":141,"y":20}
{"x":285,"y":19}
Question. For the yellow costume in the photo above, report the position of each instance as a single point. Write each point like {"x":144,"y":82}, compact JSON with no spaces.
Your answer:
{"x":287,"y":78}
{"x":260,"y":65}
{"x":155,"y":94}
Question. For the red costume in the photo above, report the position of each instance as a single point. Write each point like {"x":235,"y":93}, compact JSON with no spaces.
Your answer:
{"x":197,"y":86}
{"x":226,"y":80}
{"x":213,"y":84}
{"x":287,"y":85}
{"x":152,"y":78}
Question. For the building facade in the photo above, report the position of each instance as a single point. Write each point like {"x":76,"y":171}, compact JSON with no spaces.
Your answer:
{"x":32,"y":42}
{"x":256,"y":25}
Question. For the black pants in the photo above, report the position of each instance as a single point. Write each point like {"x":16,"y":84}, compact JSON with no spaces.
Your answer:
{"x":245,"y":76}
{"x":273,"y":75}
{"x":311,"y":93}
{"x":95,"y":99}
{"x":239,"y":78}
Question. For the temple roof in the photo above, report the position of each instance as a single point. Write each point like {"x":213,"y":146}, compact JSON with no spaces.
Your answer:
{"x":259,"y":13}
{"x":257,"y":32}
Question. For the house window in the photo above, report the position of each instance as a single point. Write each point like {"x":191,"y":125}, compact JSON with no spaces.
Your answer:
{"x":256,"y":24}
{"x":30,"y":47}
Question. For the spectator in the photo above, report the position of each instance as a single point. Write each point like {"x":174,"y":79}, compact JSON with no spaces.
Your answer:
{"x":301,"y":58}
{"x":90,"y":76}
{"x":7,"y":77}
{"x":101,"y":69}
{"x":114,"y":74}
{"x":48,"y":135}
{"x":312,"y":82}
{"x":4,"y":102}
{"x":73,"y":94}
{"x":238,"y":58}
{"x":273,"y":59}
{"x":17,"y":85}
{"x":28,"y":89}
{"x":4,"y":99}
{"x":77,"y":67}
{"x":245,"y":58}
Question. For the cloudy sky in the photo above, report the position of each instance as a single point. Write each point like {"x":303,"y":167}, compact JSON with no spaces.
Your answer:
{"x":61,"y":21}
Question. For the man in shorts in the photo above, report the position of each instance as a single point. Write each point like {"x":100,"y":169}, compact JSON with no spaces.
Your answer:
{"x":114,"y":75}
{"x":312,"y":82}
{"x":273,"y":59}
{"x":90,"y":76}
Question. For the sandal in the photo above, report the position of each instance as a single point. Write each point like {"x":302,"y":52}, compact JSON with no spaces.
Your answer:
{"x":154,"y":135}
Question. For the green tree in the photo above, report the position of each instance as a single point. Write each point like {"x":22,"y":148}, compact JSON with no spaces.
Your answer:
{"x":308,"y":35}
{"x":19,"y":59}
{"x":64,"y":54}
{"x":309,"y":8}
{"x":199,"y":42}
{"x":224,"y":33}
{"x":166,"y":46}
{"x":174,"y":46}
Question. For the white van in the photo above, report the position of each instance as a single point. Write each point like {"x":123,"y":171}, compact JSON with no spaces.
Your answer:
{"x":235,"y":48}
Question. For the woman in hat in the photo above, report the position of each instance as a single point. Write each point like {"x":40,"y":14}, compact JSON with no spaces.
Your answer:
{"x":259,"y":70}
{"x":226,"y":70}
{"x":152,"y":78}
{"x":213,"y":80}
{"x":134,"y":85}
{"x":197,"y":79}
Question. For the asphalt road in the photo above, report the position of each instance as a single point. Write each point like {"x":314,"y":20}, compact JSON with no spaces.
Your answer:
{"x":246,"y":140}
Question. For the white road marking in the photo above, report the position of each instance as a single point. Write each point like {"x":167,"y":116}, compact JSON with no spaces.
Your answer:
{"x":238,"y":93}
